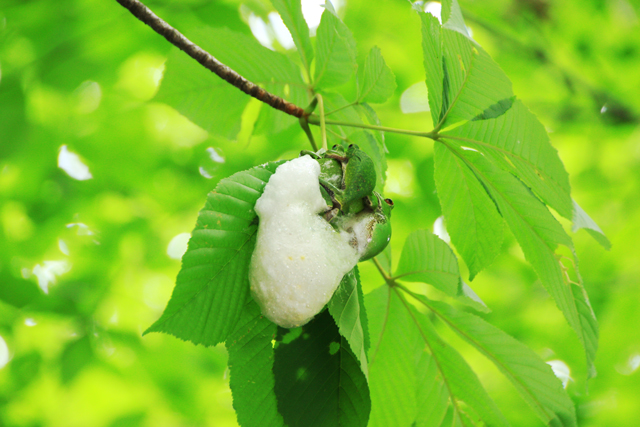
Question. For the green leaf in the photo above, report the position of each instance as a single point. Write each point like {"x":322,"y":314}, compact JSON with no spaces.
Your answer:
{"x":473,"y":222}
{"x":432,"y":51}
{"x":291,"y":13}
{"x":462,"y":79}
{"x":534,"y":379}
{"x":378,"y":81}
{"x":392,"y":360}
{"x":213,"y":284}
{"x":582,"y":220}
{"x":461,"y":382}
{"x":250,"y":366}
{"x":318,"y":380}
{"x":425,"y":258}
{"x":347,"y":308}
{"x":214,"y":104}
{"x":518,"y":143}
{"x":335,"y":51}
{"x":432,"y":397}
{"x":539,"y":234}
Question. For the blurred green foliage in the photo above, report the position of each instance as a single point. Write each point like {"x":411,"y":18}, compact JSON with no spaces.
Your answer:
{"x":83,"y":74}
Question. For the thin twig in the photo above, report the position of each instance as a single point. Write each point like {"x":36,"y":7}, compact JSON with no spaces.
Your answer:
{"x":176,"y":38}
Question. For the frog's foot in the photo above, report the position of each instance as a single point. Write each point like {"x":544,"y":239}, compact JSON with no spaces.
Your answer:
{"x":331,"y":214}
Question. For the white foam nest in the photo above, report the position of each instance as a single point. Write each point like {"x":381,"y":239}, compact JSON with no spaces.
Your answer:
{"x":299,"y":259}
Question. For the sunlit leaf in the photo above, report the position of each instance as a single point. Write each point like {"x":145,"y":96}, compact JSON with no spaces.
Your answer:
{"x":347,"y":308}
{"x":518,"y":142}
{"x":432,"y":397}
{"x":377,"y":80}
{"x":213,"y":284}
{"x":425,"y":258}
{"x":335,"y":51}
{"x":473,"y":221}
{"x":532,"y":377}
{"x":393,"y":356}
{"x":461,"y":382}
{"x":539,"y":234}
{"x":318,"y":380}
{"x":250,"y":365}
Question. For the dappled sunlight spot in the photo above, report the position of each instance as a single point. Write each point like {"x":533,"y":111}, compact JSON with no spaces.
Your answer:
{"x":260,"y":30}
{"x":88,"y":97}
{"x":167,"y":125}
{"x":140,"y":75}
{"x":561,"y":370}
{"x":178,"y":245}
{"x":30,"y":322}
{"x":630,"y":366}
{"x":74,"y":167}
{"x":400,"y":178}
{"x":16,"y":223}
{"x":156,"y":291}
{"x":312,"y":11}
{"x":62,"y":245}
{"x":4,"y":353}
{"x":415,"y":99}
{"x":211,"y":163}
{"x":48,"y":272}
{"x":434,"y":8}
{"x":280,"y":31}
{"x":440,"y":230}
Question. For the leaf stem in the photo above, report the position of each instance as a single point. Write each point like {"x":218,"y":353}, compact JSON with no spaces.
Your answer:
{"x":315,"y":120}
{"x":323,"y":126}
{"x":173,"y":36}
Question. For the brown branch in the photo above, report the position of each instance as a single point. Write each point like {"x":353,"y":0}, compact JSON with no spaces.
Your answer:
{"x":205,"y":59}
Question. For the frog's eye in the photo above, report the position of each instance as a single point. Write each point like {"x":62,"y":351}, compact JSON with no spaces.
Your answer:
{"x":389,"y":202}
{"x":335,"y":147}
{"x":350,"y":146}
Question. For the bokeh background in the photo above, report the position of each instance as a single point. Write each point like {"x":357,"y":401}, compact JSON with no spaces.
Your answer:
{"x":88,"y":255}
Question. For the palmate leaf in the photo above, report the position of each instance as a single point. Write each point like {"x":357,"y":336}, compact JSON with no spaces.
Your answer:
{"x":250,"y":366}
{"x":211,"y":102}
{"x":488,"y":131}
{"x":534,"y":379}
{"x":213,"y":284}
{"x":318,"y":380}
{"x":335,"y":51}
{"x":347,"y":309}
{"x":539,"y":234}
{"x":404,"y":346}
